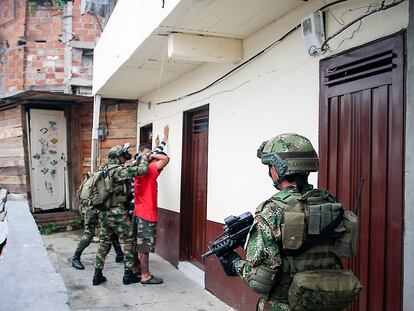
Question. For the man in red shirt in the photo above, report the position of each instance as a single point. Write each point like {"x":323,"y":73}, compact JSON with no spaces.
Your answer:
{"x":146,"y":209}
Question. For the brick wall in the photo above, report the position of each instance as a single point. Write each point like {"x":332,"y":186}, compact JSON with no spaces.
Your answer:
{"x":31,"y":49}
{"x":86,"y":29}
{"x":12,"y":25}
{"x":44,"y":52}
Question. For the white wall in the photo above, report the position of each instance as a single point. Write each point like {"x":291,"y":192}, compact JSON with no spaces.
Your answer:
{"x":276,"y":93}
{"x":409,"y":171}
{"x":130,"y":24}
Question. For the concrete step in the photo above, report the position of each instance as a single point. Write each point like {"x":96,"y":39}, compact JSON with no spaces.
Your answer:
{"x":57,"y":218}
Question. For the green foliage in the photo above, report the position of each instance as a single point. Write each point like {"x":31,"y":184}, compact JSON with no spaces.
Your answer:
{"x":50,"y":228}
{"x":78,"y":224}
{"x":32,"y":6}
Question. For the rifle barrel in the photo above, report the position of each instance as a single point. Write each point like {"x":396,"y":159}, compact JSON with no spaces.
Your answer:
{"x":205,"y":255}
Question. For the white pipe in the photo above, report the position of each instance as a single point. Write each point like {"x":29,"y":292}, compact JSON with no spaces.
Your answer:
{"x":95,"y":126}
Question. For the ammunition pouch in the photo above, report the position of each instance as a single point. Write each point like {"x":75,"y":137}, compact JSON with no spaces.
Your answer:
{"x":293,"y":230}
{"x":329,"y":290}
{"x":262,"y":280}
{"x":347,"y":245}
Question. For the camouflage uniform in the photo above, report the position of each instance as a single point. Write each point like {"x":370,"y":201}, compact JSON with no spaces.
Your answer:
{"x":90,"y":218}
{"x":116,"y":220}
{"x":263,"y":242}
{"x":262,"y":247}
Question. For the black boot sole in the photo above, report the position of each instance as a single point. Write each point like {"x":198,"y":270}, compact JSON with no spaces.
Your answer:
{"x":77,"y":267}
{"x":131,"y":281}
{"x":97,"y":282}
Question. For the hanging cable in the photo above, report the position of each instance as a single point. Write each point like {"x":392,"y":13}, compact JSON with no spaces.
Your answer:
{"x":383,"y":7}
{"x":233,"y":70}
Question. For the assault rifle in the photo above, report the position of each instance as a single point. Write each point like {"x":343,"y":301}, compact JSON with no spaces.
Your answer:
{"x":235,"y":233}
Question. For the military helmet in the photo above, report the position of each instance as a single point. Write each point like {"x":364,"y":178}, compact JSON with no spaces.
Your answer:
{"x":290,"y":154}
{"x":117,"y":151}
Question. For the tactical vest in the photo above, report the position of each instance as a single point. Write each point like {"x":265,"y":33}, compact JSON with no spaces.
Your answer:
{"x":311,"y":276}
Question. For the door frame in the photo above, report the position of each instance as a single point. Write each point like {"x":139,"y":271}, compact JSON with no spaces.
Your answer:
{"x":185,"y":198}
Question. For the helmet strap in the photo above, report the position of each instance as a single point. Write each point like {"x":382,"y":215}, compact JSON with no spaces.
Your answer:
{"x":277,"y":183}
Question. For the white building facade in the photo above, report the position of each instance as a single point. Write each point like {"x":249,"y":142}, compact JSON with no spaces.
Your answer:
{"x":227,"y":75}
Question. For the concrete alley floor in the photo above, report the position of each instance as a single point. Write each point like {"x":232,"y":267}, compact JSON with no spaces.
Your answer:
{"x":177,"y":292}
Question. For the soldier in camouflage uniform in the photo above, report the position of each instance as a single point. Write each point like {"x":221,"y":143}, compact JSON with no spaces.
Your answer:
{"x":91,"y":221}
{"x":290,"y":158}
{"x":116,"y":219}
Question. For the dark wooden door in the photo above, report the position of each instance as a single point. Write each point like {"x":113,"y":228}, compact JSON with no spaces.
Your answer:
{"x":194,"y":186}
{"x":362,"y":136}
{"x":145,"y":134}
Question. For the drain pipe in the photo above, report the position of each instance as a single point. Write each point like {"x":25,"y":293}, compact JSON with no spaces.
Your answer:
{"x":95,"y":126}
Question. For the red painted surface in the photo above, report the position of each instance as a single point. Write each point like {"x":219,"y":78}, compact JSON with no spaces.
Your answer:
{"x":231,"y":290}
{"x":168,"y":235}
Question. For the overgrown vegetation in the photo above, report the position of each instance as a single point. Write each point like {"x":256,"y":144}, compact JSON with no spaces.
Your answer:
{"x":50,"y":228}
{"x":78,"y":224}
{"x":33,"y":4}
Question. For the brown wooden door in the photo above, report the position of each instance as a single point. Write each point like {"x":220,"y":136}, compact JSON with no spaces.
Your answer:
{"x":194,"y":186}
{"x":361,"y":136}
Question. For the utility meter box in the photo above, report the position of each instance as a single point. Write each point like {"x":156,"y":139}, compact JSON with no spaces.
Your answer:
{"x":313,"y":32}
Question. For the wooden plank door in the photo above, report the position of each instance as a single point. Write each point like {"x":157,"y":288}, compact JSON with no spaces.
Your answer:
{"x":362,"y":136}
{"x":48,"y":163}
{"x":194,"y":186}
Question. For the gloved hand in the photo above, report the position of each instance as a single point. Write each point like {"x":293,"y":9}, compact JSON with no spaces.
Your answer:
{"x":228,"y":261}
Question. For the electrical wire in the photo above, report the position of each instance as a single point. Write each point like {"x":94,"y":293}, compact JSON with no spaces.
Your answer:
{"x":233,"y":70}
{"x":257,"y":55}
{"x":245,"y":62}
{"x":204,"y":99}
{"x":383,"y":7}
{"x":368,"y":8}
{"x":342,"y":22}
{"x":161,"y":73}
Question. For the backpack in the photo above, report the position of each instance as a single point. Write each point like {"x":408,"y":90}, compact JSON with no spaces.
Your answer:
{"x":316,"y":232}
{"x":95,"y":190}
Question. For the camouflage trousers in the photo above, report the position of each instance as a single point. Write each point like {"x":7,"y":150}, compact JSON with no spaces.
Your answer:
{"x":121,"y":225}
{"x":90,"y":223}
{"x":271,"y":305}
{"x":145,"y":231}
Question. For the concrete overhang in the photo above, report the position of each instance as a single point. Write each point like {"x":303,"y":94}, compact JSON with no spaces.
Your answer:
{"x":131,"y":58}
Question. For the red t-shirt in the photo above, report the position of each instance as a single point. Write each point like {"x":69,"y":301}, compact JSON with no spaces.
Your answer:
{"x":146,"y":194}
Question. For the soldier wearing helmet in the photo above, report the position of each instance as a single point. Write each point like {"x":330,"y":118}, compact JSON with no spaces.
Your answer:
{"x":116,"y":219}
{"x":269,"y":267}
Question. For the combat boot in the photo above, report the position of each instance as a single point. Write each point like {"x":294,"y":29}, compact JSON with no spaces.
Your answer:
{"x":76,"y":262}
{"x":119,"y":254}
{"x":130,"y":278}
{"x":98,"y":277}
